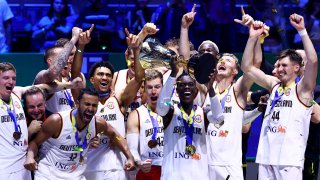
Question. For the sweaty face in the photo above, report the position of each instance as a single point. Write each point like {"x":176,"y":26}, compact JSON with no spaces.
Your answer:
{"x":186,"y":88}
{"x":7,"y":83}
{"x":101,"y":80}
{"x":227,"y":66}
{"x":35,"y":106}
{"x":88,"y":105}
{"x":153,"y":89}
{"x":208,"y":48}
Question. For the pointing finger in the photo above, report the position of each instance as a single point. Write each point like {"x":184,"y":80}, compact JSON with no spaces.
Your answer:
{"x":194,"y":7}
{"x":127,"y":32}
{"x":91,"y":28}
{"x":242,"y":11}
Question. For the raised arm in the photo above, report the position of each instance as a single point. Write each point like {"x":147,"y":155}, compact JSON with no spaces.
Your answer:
{"x":134,"y":42}
{"x":51,"y":128}
{"x":52,"y":87}
{"x":187,"y":20}
{"x":84,"y":39}
{"x":215,"y":115}
{"x":164,"y":107}
{"x":247,"y":64}
{"x":60,"y":61}
{"x":306,"y":85}
{"x":117,"y":139}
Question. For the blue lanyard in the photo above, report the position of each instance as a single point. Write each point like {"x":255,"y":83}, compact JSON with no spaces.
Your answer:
{"x":188,"y":127}
{"x":68,"y":97}
{"x":154,"y":124}
{"x":12,"y":115}
{"x":102,"y":95}
{"x":277,"y":97}
{"x":84,"y":145}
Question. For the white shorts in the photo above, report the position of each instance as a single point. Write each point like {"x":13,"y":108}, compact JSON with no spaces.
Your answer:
{"x":270,"y":172}
{"x":116,"y":174}
{"x":223,"y":172}
{"x":23,"y":174}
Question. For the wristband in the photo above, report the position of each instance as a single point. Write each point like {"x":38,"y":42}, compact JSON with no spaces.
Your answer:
{"x":303,"y":32}
{"x":79,"y":51}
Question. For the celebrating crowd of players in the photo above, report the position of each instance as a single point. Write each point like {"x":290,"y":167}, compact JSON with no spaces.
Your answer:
{"x":157,"y":123}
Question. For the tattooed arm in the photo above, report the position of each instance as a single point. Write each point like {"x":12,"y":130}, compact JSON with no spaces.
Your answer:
{"x":59,"y":61}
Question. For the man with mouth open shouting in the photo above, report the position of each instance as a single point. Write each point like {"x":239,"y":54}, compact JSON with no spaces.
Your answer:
{"x":106,"y":162}
{"x":65,"y":138}
{"x":13,"y":126}
{"x":145,"y":130}
{"x":185,"y":149}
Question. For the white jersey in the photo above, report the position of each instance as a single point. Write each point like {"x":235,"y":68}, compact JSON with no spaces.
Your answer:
{"x":146,"y":132}
{"x":106,"y":157}
{"x":177,"y":164}
{"x":284,"y":131}
{"x":58,"y":158}
{"x":121,"y":82}
{"x":224,"y":142}
{"x":58,"y":101}
{"x":13,"y":152}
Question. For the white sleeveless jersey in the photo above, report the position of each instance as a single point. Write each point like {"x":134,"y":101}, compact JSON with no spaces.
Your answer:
{"x":120,"y":84}
{"x":57,"y":155}
{"x":146,"y":132}
{"x":284,"y":131}
{"x":58,"y":101}
{"x":176,"y":163}
{"x":106,"y":157}
{"x":224,"y":142}
{"x":13,"y":152}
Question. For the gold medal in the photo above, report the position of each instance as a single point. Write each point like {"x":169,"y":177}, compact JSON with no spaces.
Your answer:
{"x":190,"y":149}
{"x":152,"y":143}
{"x":17,"y":135}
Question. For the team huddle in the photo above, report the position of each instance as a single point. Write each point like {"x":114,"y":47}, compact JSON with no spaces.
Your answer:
{"x":158,"y":123}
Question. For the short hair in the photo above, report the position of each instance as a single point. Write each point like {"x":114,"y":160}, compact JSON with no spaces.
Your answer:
{"x":50,"y":52}
{"x":32,"y":91}
{"x":100,"y":64}
{"x":234,"y":57}
{"x":182,"y":75}
{"x":211,"y":43}
{"x":88,"y":90}
{"x":6,"y":66}
{"x":175,"y":42}
{"x":61,"y":42}
{"x":152,"y":74}
{"x":293,"y":55}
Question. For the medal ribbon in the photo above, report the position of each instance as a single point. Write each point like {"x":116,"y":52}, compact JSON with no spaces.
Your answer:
{"x":281,"y":90}
{"x":154,"y":123}
{"x":188,"y":123}
{"x":12,"y":113}
{"x":68,"y":97}
{"x":223,"y":100}
{"x":102,"y":95}
{"x":84,"y":145}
